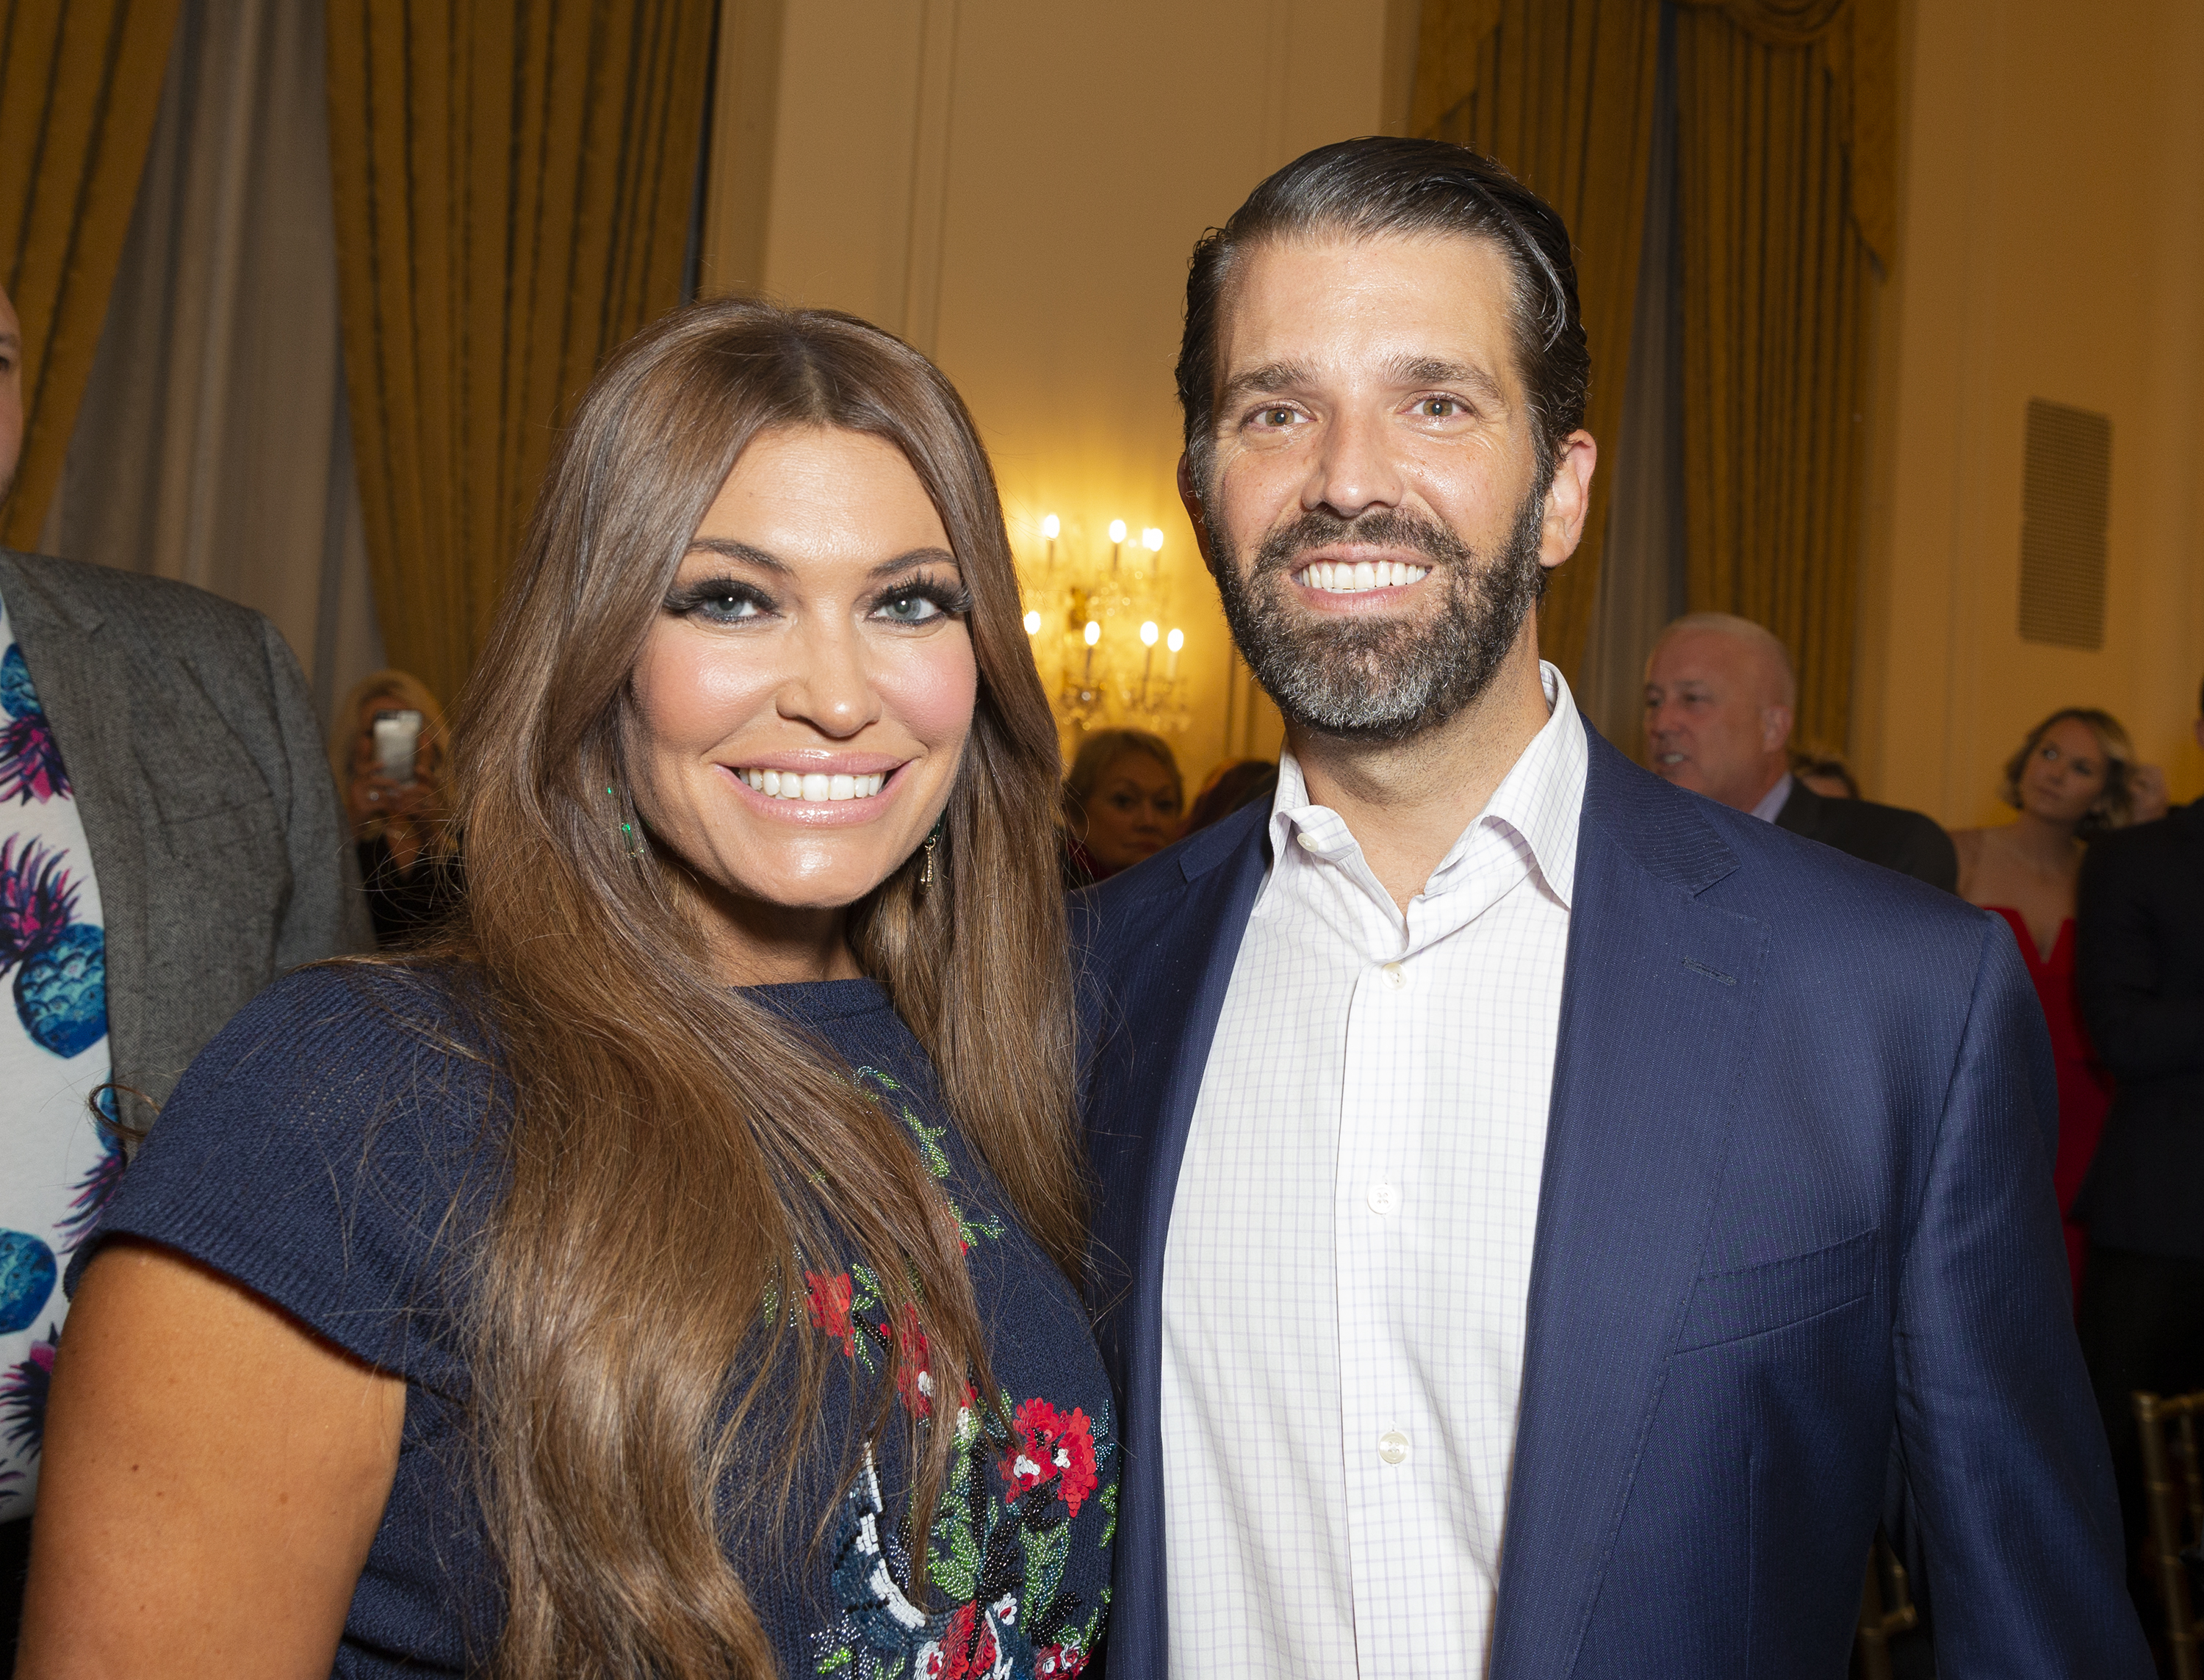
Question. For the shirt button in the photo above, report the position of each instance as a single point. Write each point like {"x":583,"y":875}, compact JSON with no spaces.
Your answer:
{"x":1309,"y":842}
{"x":1393,"y":1447}
{"x":1395,"y":976}
{"x":1383,"y":1198}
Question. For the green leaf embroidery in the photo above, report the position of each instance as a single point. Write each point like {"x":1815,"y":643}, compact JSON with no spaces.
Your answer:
{"x":1045,"y":1553}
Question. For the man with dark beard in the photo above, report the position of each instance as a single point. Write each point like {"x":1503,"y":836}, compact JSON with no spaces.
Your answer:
{"x":1535,"y":1205}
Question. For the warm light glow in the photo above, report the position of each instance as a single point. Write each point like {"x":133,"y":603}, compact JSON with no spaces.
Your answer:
{"x":1175,"y":641}
{"x":1116,"y":530}
{"x":1148,"y":633}
{"x":1094,"y":632}
{"x":1032,"y":624}
{"x":1152,"y":539}
{"x":1050,"y":525}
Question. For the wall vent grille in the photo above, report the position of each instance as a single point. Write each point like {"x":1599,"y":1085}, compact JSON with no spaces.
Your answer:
{"x":2066,"y":492}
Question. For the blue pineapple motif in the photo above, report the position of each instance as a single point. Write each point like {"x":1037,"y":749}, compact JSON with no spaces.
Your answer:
{"x":61,"y":991}
{"x":26,"y":1280}
{"x":30,"y":759}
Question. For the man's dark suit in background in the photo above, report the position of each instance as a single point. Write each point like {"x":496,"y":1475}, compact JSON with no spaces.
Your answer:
{"x":1897,"y":839}
{"x":2140,"y":969}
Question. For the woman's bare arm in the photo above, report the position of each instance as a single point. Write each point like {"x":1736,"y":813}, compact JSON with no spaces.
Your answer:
{"x":213,"y":1475}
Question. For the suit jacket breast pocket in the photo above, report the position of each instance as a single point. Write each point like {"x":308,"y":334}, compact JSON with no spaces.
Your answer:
{"x":1776,"y":1294}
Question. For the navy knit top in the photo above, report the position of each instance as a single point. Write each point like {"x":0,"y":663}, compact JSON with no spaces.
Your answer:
{"x":331,"y":1157}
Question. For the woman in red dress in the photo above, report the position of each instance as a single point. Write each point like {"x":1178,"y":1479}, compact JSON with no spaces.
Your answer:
{"x":2073,"y":778}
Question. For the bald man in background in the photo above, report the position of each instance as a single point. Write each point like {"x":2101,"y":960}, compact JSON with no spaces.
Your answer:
{"x":1720,"y":700}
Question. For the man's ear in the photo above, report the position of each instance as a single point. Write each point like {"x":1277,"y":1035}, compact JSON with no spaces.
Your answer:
{"x":1776,"y":722}
{"x":1569,"y":498}
{"x":1196,"y":514}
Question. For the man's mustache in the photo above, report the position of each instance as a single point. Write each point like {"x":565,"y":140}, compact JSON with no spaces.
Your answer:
{"x":1281,"y":550}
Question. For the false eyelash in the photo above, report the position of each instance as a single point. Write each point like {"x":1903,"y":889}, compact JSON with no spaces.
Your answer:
{"x":691,"y":596}
{"x":953,"y":598}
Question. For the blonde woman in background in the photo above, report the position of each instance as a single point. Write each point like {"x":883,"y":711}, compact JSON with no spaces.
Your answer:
{"x":408,"y":858}
{"x":2074,"y":778}
{"x":1123,"y":803}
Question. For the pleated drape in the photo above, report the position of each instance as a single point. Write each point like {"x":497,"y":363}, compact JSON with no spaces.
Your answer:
{"x":514,"y":181}
{"x":80,"y":89}
{"x":1786,"y":143}
{"x":1561,"y":92}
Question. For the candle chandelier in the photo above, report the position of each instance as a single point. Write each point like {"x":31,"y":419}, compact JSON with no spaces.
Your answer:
{"x":1104,"y":633}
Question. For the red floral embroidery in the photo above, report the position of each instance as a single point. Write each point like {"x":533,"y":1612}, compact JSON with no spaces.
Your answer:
{"x":1059,"y":1662}
{"x":828,"y":1299}
{"x":966,"y":1650}
{"x":1050,"y":1446}
{"x":913,"y":1375}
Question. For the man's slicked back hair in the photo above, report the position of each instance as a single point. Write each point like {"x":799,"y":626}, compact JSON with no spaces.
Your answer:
{"x":1363,"y":189}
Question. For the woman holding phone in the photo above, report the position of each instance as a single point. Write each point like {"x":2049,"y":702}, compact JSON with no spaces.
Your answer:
{"x":389,"y":754}
{"x":668,"y":1272}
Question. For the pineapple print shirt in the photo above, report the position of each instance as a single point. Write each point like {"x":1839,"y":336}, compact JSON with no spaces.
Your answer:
{"x":56,"y":1161}
{"x":326,"y":1152}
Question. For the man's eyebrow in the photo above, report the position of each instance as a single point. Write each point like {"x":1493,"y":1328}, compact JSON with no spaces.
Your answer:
{"x":1267,"y":381}
{"x":11,"y":342}
{"x":1437,"y":370}
{"x":1275,"y":378}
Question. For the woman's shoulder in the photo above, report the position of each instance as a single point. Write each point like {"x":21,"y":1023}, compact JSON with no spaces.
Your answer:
{"x":351,"y":1015}
{"x":319,"y":1148}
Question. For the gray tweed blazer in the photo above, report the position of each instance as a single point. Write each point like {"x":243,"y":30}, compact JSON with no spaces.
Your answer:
{"x":221,"y":857}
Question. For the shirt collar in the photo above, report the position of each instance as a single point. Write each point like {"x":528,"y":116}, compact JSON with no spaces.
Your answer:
{"x":1540,"y":798}
{"x":1772,"y":802}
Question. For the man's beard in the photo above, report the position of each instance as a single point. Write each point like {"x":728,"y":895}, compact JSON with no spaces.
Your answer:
{"x":1382,"y":677}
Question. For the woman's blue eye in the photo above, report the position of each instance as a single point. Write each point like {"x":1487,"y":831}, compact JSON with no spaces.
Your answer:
{"x":725,"y":609}
{"x":909,"y":609}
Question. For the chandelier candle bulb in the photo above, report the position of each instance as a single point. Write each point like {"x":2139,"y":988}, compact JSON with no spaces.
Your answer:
{"x":1175,"y":641}
{"x":1117,"y":541}
{"x":1049,"y":526}
{"x":1032,"y":624}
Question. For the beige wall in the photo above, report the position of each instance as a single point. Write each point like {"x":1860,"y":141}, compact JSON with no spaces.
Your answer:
{"x":2053,"y":247}
{"x":1015,"y":186}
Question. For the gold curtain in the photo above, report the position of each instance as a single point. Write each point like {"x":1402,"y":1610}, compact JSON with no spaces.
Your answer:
{"x":79,"y":88}
{"x":514,"y":183}
{"x":1786,"y":120}
{"x":1561,"y":92}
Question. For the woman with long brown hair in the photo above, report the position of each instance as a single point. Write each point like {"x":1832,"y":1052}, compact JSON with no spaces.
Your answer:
{"x":669,"y":1273}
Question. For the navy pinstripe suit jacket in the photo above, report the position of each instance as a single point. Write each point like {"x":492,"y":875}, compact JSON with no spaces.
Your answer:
{"x":1796,"y":1207}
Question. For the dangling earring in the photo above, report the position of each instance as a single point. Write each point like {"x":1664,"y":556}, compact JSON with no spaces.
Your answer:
{"x":632,"y":844}
{"x":926,"y":876}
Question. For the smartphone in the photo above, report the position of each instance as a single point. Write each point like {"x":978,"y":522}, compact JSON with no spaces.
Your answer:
{"x":397,"y":740}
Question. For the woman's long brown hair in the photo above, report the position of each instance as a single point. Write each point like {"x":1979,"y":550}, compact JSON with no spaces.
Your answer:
{"x":677,"y":1155}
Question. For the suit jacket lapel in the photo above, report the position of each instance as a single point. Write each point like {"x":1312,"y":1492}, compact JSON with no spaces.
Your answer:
{"x":1656,"y":1011}
{"x":1173,"y":955}
{"x":64,"y":646}
{"x":1171,"y":982}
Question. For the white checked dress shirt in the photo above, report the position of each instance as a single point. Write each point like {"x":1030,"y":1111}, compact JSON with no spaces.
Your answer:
{"x":1346,"y":1278}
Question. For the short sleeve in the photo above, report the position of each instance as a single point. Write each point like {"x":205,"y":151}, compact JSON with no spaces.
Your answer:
{"x":326,"y":1150}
